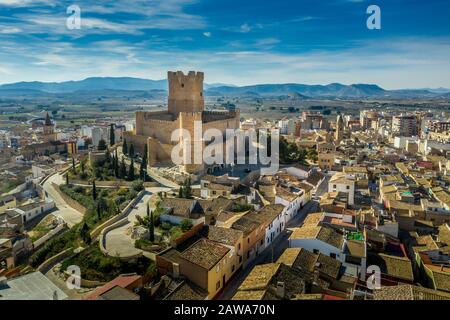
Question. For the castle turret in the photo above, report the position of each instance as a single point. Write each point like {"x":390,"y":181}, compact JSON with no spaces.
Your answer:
{"x":185,"y":92}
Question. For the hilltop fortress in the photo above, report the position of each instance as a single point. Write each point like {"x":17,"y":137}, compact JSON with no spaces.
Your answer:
{"x":186,"y":104}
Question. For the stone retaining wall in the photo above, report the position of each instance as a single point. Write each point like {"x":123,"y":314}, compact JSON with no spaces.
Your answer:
{"x":51,"y":262}
{"x":71,"y":202}
{"x":96,"y":232}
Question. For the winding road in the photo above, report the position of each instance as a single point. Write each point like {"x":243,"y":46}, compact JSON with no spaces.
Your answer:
{"x":66,"y":212}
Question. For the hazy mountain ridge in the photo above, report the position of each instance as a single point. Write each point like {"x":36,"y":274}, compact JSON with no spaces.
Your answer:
{"x":108,"y":84}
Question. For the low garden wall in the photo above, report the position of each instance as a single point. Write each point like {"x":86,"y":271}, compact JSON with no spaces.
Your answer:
{"x":52,"y":233}
{"x":51,"y":262}
{"x":112,"y":184}
{"x":96,"y":232}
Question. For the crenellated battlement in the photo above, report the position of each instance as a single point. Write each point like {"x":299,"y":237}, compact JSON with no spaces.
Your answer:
{"x":179,"y":77}
{"x":185,"y":92}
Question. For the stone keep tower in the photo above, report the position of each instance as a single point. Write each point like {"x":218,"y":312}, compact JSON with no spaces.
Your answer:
{"x":185,"y":92}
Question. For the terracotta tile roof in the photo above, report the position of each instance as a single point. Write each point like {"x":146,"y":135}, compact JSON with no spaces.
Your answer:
{"x":250,"y":295}
{"x":259,"y":277}
{"x":187,"y":291}
{"x":225,"y":236}
{"x":246,"y":225}
{"x":205,"y":253}
{"x":409,"y":292}
{"x":180,"y":207}
{"x":398,"y":267}
{"x":122,"y":281}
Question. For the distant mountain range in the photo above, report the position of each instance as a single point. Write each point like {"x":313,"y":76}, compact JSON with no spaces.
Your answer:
{"x":107,"y":86}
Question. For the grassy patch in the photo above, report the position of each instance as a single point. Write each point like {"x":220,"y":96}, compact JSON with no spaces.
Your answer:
{"x":42,"y":228}
{"x":97,"y":267}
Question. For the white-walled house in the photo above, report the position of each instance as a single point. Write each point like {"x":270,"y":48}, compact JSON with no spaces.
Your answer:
{"x":33,"y":209}
{"x":340,"y":183}
{"x":299,"y":171}
{"x":350,"y":249}
{"x":318,"y":239}
{"x":271,"y":217}
{"x":293,"y":199}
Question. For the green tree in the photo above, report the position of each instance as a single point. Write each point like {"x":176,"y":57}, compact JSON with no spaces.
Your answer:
{"x":73,"y":165}
{"x":101,"y":145}
{"x":67,"y":178}
{"x":151,"y":226}
{"x":94,"y":190}
{"x":112,"y":137}
{"x":84,"y":233}
{"x":83,"y":166}
{"x":186,"y":225}
{"x":131,"y":153}
{"x":123,"y":169}
{"x":107,"y":157}
{"x":131,"y":175}
{"x":125,"y":147}
{"x":116,"y":165}
{"x":143,"y":167}
{"x":181,"y":192}
{"x":188,"y":189}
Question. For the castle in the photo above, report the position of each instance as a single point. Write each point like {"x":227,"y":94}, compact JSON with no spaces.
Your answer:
{"x":186,"y":104}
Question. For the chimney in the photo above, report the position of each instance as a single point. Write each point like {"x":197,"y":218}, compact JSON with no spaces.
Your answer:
{"x":281,"y":291}
{"x":176,"y":270}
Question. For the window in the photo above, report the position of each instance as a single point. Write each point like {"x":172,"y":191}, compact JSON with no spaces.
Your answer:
{"x":248,"y":240}
{"x":261,"y":242}
{"x":334,"y":186}
{"x":182,"y":85}
{"x":333,"y":255}
{"x":232,"y":269}
{"x":348,"y":187}
{"x":239,"y":246}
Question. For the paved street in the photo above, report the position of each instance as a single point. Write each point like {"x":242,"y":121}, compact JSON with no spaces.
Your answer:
{"x":66,"y":212}
{"x":118,"y":241}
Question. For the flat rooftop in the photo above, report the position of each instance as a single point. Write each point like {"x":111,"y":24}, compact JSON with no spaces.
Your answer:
{"x":33,"y":286}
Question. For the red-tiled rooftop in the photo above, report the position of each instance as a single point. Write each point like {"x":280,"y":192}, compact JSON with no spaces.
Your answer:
{"x":122,"y":281}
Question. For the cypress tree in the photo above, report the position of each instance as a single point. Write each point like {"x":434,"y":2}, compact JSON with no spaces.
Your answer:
{"x":94,"y":190}
{"x":99,"y":211}
{"x":131,"y":153}
{"x":101,"y":145}
{"x":112,"y":137}
{"x":131,"y":171}
{"x":116,"y":165}
{"x":67,"y":178}
{"x":125,"y":147}
{"x":123,"y":169}
{"x":151,"y":225}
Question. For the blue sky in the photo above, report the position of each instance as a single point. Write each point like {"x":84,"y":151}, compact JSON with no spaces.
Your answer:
{"x":232,"y":41}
